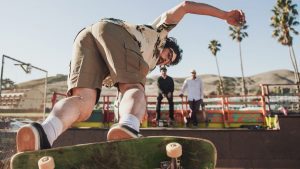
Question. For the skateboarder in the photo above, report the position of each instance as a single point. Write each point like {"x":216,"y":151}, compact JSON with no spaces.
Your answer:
{"x":126,"y":53}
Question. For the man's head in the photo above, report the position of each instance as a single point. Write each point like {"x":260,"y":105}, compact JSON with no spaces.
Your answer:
{"x":171,"y":54}
{"x":163,"y":71}
{"x":193,"y":73}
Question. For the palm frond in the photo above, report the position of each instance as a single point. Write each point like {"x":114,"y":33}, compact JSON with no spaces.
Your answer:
{"x":284,"y":20}
{"x":294,"y":31}
{"x":214,"y":47}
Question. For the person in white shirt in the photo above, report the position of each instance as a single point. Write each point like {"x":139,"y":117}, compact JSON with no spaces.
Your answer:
{"x":125,"y":53}
{"x":194,"y":87}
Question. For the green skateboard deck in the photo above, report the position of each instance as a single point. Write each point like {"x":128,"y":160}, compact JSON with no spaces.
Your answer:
{"x":141,"y":153}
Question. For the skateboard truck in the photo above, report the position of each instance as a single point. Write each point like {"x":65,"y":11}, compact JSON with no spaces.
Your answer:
{"x":174,"y":151}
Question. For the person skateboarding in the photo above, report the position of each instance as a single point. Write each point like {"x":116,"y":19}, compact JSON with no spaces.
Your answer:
{"x":124,"y":52}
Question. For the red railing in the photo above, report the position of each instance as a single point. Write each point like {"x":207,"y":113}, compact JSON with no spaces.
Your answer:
{"x":214,"y":105}
{"x":230,"y":108}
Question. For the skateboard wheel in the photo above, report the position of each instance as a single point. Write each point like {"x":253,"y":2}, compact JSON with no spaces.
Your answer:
{"x":174,"y":150}
{"x":46,"y":162}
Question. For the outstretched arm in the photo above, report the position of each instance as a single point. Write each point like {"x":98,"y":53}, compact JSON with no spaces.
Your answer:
{"x":174,"y":15}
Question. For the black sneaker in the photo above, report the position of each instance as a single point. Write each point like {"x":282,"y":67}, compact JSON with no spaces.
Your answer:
{"x":207,"y":123}
{"x":188,"y":125}
{"x":172,"y":123}
{"x":32,"y":137}
{"x":195,"y":124}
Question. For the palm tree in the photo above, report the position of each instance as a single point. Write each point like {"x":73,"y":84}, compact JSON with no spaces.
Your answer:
{"x":238,"y":35}
{"x":214,"y":47}
{"x":283,"y":21}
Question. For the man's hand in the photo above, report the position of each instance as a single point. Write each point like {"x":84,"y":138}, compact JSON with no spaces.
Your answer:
{"x":169,"y":95}
{"x":235,"y":18}
{"x":181,"y":95}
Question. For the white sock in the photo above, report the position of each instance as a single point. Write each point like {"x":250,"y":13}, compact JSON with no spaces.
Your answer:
{"x":53,"y":127}
{"x":131,"y":121}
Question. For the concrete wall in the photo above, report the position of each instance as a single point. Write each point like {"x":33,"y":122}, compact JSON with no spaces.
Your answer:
{"x":236,"y":148}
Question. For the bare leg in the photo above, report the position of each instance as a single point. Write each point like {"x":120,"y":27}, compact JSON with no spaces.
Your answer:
{"x":133,"y":101}
{"x":132,"y":109}
{"x":64,"y":114}
{"x":75,"y":108}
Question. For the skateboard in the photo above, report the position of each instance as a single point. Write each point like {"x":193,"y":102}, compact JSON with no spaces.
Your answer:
{"x":155,"y":152}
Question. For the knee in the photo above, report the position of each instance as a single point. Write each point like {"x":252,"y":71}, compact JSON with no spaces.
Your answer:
{"x":85,"y":102}
{"x":74,"y":108}
{"x":86,"y":111}
{"x":137,"y":94}
{"x":85,"y":115}
{"x":136,"y":91}
{"x":159,"y":98}
{"x":85,"y":107}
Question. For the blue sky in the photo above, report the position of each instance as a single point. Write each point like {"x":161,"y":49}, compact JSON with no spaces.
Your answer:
{"x":42,"y":33}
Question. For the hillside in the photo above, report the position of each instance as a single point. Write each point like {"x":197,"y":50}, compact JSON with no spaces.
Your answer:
{"x":232,"y":84}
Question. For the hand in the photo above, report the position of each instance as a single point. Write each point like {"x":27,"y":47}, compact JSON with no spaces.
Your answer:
{"x":181,"y":95}
{"x":169,"y":95}
{"x":235,"y":18}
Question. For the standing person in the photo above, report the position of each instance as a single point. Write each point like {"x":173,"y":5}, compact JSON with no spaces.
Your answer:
{"x":126,"y":53}
{"x":165,"y":85}
{"x":194,"y":87}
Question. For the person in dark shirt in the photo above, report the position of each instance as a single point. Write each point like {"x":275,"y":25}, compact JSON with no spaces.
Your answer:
{"x":165,"y":86}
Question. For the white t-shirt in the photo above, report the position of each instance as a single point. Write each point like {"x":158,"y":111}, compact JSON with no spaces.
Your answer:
{"x":194,"y":88}
{"x":151,"y":38}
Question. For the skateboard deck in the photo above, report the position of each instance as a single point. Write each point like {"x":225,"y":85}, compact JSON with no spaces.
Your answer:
{"x":141,"y":153}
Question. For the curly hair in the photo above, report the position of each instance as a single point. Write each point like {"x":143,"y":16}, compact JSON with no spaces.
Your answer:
{"x":171,"y":42}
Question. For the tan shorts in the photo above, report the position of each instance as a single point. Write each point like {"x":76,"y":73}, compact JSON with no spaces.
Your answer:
{"x":105,"y":49}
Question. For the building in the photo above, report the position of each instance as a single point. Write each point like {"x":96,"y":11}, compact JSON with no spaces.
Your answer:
{"x":22,"y":99}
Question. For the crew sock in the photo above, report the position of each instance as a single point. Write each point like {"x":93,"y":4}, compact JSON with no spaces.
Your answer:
{"x":130,"y":121}
{"x":53,"y":127}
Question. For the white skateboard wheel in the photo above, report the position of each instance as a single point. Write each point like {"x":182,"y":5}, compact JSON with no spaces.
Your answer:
{"x":174,"y":150}
{"x":46,"y":162}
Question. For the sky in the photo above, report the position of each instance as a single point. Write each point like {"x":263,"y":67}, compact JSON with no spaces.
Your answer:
{"x":42,"y":32}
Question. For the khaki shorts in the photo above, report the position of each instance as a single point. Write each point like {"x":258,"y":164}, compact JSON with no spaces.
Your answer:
{"x":105,"y":49}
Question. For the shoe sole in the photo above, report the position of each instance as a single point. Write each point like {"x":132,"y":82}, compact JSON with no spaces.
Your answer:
{"x":119,"y":133}
{"x":27,"y":139}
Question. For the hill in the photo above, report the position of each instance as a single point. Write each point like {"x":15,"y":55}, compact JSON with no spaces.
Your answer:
{"x":232,"y":84}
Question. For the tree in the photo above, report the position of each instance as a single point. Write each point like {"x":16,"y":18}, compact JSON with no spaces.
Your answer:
{"x":214,"y":47}
{"x":7,"y":84}
{"x":238,"y":35}
{"x":284,"y":21}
